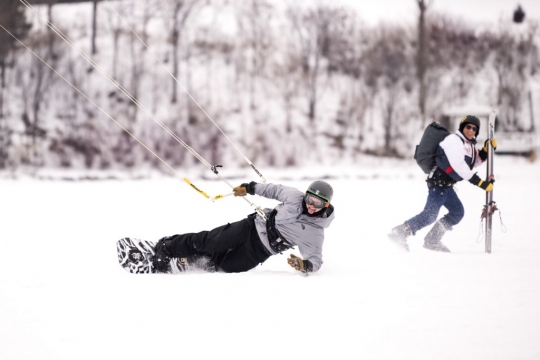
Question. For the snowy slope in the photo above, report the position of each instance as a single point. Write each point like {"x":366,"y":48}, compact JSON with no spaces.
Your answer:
{"x":65,"y":297}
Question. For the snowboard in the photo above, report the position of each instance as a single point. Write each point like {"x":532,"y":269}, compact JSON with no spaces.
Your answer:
{"x":136,"y":256}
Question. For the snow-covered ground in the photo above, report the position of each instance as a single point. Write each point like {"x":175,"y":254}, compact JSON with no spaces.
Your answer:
{"x":64,"y":296}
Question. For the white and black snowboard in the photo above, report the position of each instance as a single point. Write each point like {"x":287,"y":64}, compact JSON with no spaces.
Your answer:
{"x":136,"y":256}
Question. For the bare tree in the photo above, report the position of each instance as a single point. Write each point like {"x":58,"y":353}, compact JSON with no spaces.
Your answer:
{"x":421,"y":58}
{"x":94,"y":26}
{"x":13,"y":18}
{"x":253,"y":19}
{"x":388,"y":75}
{"x":36,"y":80}
{"x":177,"y":18}
{"x":116,"y":31}
{"x":311,"y":41}
{"x":345,"y":61}
{"x":137,"y":51}
{"x":314,"y":30}
{"x":511,"y":63}
{"x":52,"y":36}
{"x":5,"y":132}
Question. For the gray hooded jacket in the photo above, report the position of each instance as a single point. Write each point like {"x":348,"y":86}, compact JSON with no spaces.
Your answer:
{"x":297,"y":228}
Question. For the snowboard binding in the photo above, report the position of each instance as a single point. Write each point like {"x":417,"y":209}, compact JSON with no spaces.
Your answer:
{"x":137,"y":257}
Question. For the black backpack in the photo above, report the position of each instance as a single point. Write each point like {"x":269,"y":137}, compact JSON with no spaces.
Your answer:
{"x":427,"y":148}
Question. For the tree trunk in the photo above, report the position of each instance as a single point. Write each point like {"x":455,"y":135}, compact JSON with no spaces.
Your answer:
{"x":94,"y":28}
{"x":422,"y":60}
{"x":313,"y":88}
{"x":1,"y":102}
{"x":175,"y":42}
{"x":2,"y":71}
{"x":51,"y":33}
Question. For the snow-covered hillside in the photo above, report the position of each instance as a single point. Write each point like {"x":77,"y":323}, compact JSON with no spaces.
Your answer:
{"x":320,"y":80}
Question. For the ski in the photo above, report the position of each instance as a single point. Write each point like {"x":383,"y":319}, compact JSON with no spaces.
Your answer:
{"x":490,"y":206}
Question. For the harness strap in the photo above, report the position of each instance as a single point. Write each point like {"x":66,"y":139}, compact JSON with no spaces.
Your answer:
{"x":439,"y":178}
{"x":277,"y":242}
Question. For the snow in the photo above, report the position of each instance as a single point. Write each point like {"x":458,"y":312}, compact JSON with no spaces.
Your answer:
{"x":64,"y":296}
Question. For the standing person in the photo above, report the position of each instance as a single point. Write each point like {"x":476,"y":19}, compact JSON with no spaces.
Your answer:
{"x":456,"y":159}
{"x":299,"y":220}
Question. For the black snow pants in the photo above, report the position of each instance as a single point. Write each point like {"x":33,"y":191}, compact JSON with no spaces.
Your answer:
{"x":235,"y":247}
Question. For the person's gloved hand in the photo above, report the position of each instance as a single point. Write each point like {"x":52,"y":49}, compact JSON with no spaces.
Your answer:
{"x":493,"y":143}
{"x":245,"y":189}
{"x":240,"y":190}
{"x":297,"y":263}
{"x":484,"y":151}
{"x":487,"y":185}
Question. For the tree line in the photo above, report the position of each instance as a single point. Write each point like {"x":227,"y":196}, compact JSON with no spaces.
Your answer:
{"x":291,"y":85}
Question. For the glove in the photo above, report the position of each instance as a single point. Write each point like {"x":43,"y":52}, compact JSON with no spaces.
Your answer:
{"x":245,"y":189}
{"x":297,"y":263}
{"x":486,"y":185}
{"x":483,"y":152}
{"x":493,"y":143}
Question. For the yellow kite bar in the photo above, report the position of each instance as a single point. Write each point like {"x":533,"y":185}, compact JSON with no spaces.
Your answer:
{"x":217,"y":197}
{"x":213,"y":198}
{"x":197,"y":189}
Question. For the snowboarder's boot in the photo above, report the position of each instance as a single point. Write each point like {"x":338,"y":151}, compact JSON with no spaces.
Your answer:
{"x":162,"y":259}
{"x":167,"y":261}
{"x":399,"y":235}
{"x":432,"y":240}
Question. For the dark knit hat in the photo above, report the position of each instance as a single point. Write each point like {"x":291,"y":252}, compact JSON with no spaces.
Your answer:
{"x":470,"y":119}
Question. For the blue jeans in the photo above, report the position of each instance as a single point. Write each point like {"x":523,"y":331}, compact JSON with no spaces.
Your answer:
{"x":438,"y":197}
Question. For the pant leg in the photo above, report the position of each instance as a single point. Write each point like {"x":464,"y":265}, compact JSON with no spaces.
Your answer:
{"x":435,"y":200}
{"x":217,"y":240}
{"x":234,"y":247}
{"x":242,"y":258}
{"x":455,"y":210}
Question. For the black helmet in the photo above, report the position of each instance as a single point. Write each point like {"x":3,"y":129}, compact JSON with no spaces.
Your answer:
{"x":470,"y":119}
{"x":321,"y":189}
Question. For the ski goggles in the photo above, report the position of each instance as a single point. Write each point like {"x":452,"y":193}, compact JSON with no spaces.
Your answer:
{"x":315,"y":201}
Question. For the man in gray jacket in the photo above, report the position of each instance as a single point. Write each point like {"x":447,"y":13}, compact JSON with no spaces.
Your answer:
{"x":299,"y":220}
